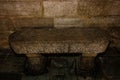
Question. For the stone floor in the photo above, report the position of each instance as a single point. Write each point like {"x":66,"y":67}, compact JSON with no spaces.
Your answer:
{"x":61,"y":67}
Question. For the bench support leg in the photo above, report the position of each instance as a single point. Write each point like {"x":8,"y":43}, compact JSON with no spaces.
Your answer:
{"x":36,"y":64}
{"x":86,"y":65}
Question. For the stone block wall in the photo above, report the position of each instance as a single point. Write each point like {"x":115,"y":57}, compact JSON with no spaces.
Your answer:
{"x":17,"y":14}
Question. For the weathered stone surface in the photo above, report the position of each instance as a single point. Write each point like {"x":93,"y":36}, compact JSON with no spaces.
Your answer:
{"x":6,"y":25}
{"x":59,"y":0}
{"x":112,"y":7}
{"x":73,"y":40}
{"x":18,"y":0}
{"x":101,"y":21}
{"x":4,"y":43}
{"x":21,"y":8}
{"x":115,"y":36}
{"x":98,"y":8}
{"x":33,"y":22}
{"x":108,"y":21}
{"x":60,"y":8}
{"x":89,"y":7}
{"x":68,"y":22}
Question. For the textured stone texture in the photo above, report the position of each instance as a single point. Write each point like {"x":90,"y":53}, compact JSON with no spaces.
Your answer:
{"x":33,"y":22}
{"x":103,"y":22}
{"x":90,"y":7}
{"x":4,"y":40}
{"x":115,"y":36}
{"x":68,"y":22}
{"x":18,"y":0}
{"x":99,"y":7}
{"x":112,"y":7}
{"x":100,"y":13}
{"x":60,"y":9}
{"x":20,"y":8}
{"x":108,"y":21}
{"x":59,"y":41}
{"x":6,"y":25}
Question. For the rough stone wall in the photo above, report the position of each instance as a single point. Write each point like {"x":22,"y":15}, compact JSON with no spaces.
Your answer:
{"x":16,"y":14}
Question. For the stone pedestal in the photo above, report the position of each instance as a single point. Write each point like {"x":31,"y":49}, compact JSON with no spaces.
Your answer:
{"x":35,"y":64}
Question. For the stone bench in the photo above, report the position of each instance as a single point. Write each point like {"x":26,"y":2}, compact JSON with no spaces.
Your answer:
{"x":34,"y":43}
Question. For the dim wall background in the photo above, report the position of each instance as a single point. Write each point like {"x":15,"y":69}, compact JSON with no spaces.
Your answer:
{"x":20,"y":14}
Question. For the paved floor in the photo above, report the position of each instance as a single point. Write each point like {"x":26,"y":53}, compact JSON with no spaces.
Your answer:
{"x":61,"y":68}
